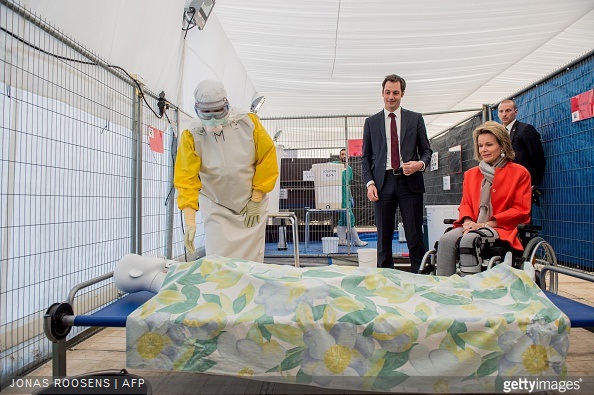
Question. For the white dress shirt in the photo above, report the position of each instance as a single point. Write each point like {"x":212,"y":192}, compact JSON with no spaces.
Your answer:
{"x":510,"y":126}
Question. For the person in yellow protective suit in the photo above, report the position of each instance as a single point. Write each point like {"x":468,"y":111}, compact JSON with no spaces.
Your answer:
{"x":226,"y":164}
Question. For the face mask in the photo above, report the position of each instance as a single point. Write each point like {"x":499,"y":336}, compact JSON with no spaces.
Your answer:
{"x":213,"y":122}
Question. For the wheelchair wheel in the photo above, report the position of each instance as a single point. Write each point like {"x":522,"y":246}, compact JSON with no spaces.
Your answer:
{"x":541,"y":254}
{"x":428,"y":263}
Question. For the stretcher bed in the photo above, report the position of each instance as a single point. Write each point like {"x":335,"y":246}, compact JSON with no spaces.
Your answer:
{"x":349,"y":327}
{"x":270,"y":329}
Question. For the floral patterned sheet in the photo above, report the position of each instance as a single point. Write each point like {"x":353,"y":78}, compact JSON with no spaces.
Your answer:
{"x":349,"y":327}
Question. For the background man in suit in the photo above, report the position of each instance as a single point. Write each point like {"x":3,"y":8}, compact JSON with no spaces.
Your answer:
{"x":525,"y":141}
{"x":395,"y":153}
{"x":526,"y":144}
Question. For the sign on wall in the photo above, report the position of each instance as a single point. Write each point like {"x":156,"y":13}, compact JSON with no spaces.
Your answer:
{"x":446,"y":183}
{"x":455,"y":159}
{"x":582,"y":106}
{"x":434,"y":161}
{"x":155,"y":139}
{"x":308,"y":175}
{"x":355,"y":147}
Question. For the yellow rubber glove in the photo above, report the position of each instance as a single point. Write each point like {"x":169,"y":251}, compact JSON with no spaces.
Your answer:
{"x":190,"y":233}
{"x":252,"y":213}
{"x":252,"y":209}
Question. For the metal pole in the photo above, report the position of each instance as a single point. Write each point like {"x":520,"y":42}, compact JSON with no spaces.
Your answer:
{"x":59,"y":358}
{"x":171,"y":197}
{"x":137,"y":171}
{"x":349,"y":236}
{"x":486,"y":113}
{"x":133,"y":184}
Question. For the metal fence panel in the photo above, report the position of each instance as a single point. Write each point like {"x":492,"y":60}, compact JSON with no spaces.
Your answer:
{"x":311,"y":140}
{"x":567,"y":205}
{"x":69,"y":197}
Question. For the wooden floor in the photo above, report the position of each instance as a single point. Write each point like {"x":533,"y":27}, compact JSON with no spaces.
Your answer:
{"x":107,"y":351}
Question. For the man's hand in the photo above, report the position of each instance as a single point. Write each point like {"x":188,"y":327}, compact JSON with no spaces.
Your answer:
{"x":372,"y":193}
{"x":411,"y":167}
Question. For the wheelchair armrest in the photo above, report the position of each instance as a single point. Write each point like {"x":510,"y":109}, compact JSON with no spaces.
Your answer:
{"x":529,"y":227}
{"x":449,"y":221}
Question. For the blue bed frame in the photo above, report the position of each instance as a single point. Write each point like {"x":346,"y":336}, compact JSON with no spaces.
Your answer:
{"x":580,"y":315}
{"x":60,"y":318}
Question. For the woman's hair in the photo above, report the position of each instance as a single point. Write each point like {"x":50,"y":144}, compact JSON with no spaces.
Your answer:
{"x":500,"y":133}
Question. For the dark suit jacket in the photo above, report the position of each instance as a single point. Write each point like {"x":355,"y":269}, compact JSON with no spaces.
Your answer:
{"x":414,"y":145}
{"x":528,"y":148}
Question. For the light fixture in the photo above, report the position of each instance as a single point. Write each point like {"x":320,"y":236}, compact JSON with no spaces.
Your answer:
{"x":257,"y":103}
{"x":277,"y":135}
{"x":197,"y":13}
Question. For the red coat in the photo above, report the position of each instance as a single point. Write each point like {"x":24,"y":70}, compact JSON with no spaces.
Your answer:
{"x":511,"y":198}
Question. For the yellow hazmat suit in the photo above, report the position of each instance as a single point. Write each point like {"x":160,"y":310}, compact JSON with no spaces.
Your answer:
{"x":226,"y":174}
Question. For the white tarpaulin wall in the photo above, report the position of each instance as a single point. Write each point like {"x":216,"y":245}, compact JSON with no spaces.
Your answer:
{"x":145,"y":37}
{"x":324,"y":58}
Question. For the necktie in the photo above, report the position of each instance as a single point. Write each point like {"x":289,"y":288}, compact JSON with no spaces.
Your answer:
{"x":395,"y":160}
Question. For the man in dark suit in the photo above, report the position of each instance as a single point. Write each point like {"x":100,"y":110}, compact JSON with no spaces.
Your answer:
{"x":396,"y":151}
{"x":525,"y":141}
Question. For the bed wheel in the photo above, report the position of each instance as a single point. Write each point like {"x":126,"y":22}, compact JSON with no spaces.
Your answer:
{"x":52,"y":321}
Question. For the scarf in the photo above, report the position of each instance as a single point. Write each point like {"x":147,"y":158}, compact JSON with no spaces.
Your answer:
{"x":485,"y":207}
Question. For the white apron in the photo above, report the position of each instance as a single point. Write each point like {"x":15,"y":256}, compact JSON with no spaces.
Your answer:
{"x":227,"y":170}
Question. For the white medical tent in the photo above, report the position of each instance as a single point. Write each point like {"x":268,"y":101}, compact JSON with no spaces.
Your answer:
{"x":307,"y":58}
{"x":329,"y":57}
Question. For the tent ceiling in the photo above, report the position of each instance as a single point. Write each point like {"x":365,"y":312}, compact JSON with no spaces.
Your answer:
{"x":329,"y":57}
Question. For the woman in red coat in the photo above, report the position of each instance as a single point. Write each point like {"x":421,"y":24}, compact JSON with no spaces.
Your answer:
{"x":496,"y":198}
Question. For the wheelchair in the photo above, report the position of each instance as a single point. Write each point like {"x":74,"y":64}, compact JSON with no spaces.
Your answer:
{"x":490,"y":252}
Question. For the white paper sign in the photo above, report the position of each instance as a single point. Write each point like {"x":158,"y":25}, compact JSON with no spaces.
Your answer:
{"x":330,"y":175}
{"x":283,"y":194}
{"x":446,"y":183}
{"x":434,"y":161}
{"x":308,"y":175}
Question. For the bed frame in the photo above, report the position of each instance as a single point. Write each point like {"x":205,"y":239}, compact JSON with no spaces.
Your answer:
{"x":580,"y":315}
{"x":59,"y":319}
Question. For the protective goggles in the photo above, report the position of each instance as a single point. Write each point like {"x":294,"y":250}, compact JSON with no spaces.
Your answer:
{"x":209,"y":112}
